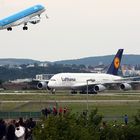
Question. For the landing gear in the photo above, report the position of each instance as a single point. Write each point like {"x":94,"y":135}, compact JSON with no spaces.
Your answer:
{"x":89,"y":92}
{"x":25,"y":28}
{"x":83,"y":92}
{"x":92,"y":92}
{"x":53,"y":91}
{"x":73,"y":92}
{"x":9,"y":29}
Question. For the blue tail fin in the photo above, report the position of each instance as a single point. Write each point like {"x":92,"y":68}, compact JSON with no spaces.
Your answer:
{"x":113,"y":69}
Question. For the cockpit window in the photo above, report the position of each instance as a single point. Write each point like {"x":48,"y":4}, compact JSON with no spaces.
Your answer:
{"x":0,"y":23}
{"x":52,"y":80}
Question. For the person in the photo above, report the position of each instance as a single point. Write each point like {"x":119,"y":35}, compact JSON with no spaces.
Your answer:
{"x":60,"y":111}
{"x":125,"y":119}
{"x":50,"y":109}
{"x":30,"y":124}
{"x":54,"y":111}
{"x":65,"y":110}
{"x":21,"y":122}
{"x":43,"y":112}
{"x":19,"y":132}
{"x":2,"y":129}
{"x":10,"y":132}
{"x":103,"y":126}
{"x":46,"y":112}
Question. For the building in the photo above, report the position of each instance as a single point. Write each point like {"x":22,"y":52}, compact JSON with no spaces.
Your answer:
{"x":41,"y":77}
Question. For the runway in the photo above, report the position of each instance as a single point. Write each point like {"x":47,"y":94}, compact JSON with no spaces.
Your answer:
{"x":71,"y":101}
{"x":29,"y":97}
{"x":68,"y":93}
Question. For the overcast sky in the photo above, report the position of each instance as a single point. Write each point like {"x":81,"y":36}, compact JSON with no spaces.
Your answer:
{"x":75,"y":29}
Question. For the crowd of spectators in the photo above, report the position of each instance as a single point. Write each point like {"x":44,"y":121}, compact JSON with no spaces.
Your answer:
{"x":54,"y":110}
{"x":22,"y":129}
{"x":16,"y":129}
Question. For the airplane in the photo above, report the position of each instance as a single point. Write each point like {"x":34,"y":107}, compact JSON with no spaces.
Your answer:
{"x":30,"y":15}
{"x":96,"y":82}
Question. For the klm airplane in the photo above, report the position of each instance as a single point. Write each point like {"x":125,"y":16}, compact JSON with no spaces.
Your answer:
{"x":30,"y":15}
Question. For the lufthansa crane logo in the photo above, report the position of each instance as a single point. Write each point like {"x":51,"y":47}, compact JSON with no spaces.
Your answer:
{"x":116,"y":62}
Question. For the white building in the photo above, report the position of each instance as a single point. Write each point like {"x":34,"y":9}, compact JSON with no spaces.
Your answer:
{"x":42,"y":77}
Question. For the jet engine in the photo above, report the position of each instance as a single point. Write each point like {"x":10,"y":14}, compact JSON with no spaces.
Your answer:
{"x":99,"y":88}
{"x":125,"y":86}
{"x":34,"y":20}
{"x":42,"y":85}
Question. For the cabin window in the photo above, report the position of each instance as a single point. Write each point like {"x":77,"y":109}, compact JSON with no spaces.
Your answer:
{"x":52,"y":80}
{"x":35,"y":8}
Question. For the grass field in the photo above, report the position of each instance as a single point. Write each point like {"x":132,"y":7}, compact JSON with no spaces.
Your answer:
{"x":38,"y":101}
{"x":24,"y":97}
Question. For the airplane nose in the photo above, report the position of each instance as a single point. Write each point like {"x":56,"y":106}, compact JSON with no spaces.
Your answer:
{"x":50,"y":84}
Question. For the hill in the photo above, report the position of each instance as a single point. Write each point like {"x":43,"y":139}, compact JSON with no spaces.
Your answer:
{"x":126,"y":59}
{"x":15,"y":61}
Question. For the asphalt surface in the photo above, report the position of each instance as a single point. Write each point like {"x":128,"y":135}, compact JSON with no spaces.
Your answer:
{"x":67,"y":93}
{"x":71,"y":101}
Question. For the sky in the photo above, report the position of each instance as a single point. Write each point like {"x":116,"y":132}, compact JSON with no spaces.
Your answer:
{"x":75,"y":29}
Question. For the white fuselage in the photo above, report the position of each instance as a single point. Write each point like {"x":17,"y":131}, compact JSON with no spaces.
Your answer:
{"x":76,"y":80}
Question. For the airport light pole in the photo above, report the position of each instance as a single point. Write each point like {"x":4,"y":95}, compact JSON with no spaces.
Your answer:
{"x":88,"y":80}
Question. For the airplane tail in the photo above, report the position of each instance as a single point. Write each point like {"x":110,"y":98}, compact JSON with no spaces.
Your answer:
{"x":113,"y":69}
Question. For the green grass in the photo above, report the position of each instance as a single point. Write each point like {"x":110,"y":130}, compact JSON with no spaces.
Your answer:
{"x":8,"y":106}
{"x":104,"y":108}
{"x":107,"y":109}
{"x":115,"y":109}
{"x":22,"y":97}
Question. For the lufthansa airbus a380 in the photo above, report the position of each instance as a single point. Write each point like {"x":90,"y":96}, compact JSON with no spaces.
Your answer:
{"x":97,"y":82}
{"x":30,"y":15}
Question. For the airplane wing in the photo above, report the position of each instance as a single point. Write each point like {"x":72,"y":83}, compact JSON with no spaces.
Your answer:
{"x":123,"y":81}
{"x":34,"y":20}
{"x":37,"y":80}
{"x":136,"y":78}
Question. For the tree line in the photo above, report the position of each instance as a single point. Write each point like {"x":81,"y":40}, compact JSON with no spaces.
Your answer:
{"x":7,"y":73}
{"x":83,"y":126}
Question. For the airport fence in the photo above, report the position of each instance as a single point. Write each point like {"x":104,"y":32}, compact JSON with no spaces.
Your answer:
{"x":37,"y":116}
{"x":16,"y":115}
